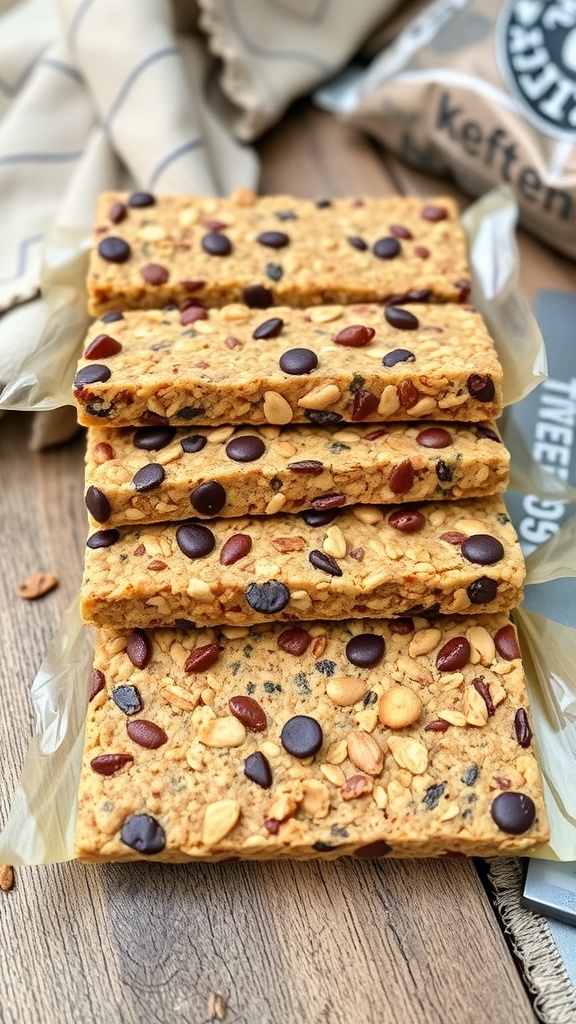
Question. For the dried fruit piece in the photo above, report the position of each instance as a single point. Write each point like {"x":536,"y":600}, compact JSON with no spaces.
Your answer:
{"x":37,"y":585}
{"x":506,"y":643}
{"x":407,"y":520}
{"x":109,"y":764}
{"x":453,"y":655}
{"x":522,"y":728}
{"x":236,"y":547}
{"x":356,"y":336}
{"x":6,"y":877}
{"x":146,"y":734}
{"x":401,"y":477}
{"x":294,"y":641}
{"x":139,"y":648}
{"x":249,"y":712}
{"x":143,"y":833}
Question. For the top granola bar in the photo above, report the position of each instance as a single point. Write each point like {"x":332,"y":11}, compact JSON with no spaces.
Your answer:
{"x":273,"y":250}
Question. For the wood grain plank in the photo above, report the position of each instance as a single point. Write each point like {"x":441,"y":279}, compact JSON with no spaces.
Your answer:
{"x":415,"y":942}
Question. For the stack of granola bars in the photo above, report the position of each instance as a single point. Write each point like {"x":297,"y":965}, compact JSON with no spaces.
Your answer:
{"x":299,"y":563}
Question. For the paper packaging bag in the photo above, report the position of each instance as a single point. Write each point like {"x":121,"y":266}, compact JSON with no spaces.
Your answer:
{"x":484,"y":91}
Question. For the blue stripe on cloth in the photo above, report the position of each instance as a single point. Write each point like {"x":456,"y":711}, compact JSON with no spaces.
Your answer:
{"x":40,"y":158}
{"x":187,"y":147}
{"x":152,"y":58}
{"x":22,"y":257}
{"x":77,"y":20}
{"x":65,"y":69}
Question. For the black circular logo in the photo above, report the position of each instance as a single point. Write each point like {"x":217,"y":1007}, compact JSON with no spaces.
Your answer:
{"x":537,"y":51}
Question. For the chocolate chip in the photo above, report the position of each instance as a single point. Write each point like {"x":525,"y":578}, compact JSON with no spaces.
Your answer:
{"x":311,"y":466}
{"x":154,"y":273}
{"x":482,"y":591}
{"x":97,"y":683}
{"x":152,"y":417}
{"x":482,"y":549}
{"x":269,"y":329}
{"x":443,"y":472}
{"x":146,"y":734}
{"x":95,"y":374}
{"x":413,"y":295}
{"x":246,"y":448}
{"x":481,"y":387}
{"x":208,"y":498}
{"x":139,"y":648}
{"x":235,"y":548}
{"x":323,"y":203}
{"x":357,"y":243}
{"x":401,"y":626}
{"x":321,"y":847}
{"x":97,"y":504}
{"x":407,"y":394}
{"x":506,"y":643}
{"x":399,"y":231}
{"x":114,"y":250}
{"x":110,"y":318}
{"x":328,"y":501}
{"x":143,"y":833}
{"x":109,"y":764}
{"x":149,"y":477}
{"x":274,"y":271}
{"x":318,"y":518}
{"x":216,"y":244}
{"x":438,"y":725}
{"x":365,"y":649}
{"x":401,"y":319}
{"x":102,"y":347}
{"x":378,"y":848}
{"x":140,"y":199}
{"x":398,"y":355}
{"x":407,"y":520}
{"x":103,"y":539}
{"x":386,"y":248}
{"x":453,"y":655}
{"x":401,"y":477}
{"x":434,"y":437}
{"x":257,"y":769}
{"x":433,"y":213}
{"x":301,"y":736}
{"x":320,"y":560}
{"x":128,"y":699}
{"x":256,"y":296}
{"x":117,"y":213}
{"x":522,"y":728}
{"x":193,"y":313}
{"x":488,"y":433}
{"x":298,"y":360}
{"x":294,"y":641}
{"x":152,"y":439}
{"x":193,"y":444}
{"x":195,"y":541}
{"x":355,"y":336}
{"x":268,"y":598}
{"x":365,"y":403}
{"x":249,"y":712}
{"x":321,"y":418}
{"x":513,"y":812}
{"x":273,"y":239}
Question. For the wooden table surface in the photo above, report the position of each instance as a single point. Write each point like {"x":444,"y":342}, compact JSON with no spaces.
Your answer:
{"x":349,"y":942}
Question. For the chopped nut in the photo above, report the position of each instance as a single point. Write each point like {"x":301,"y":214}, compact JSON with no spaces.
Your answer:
{"x":367,"y":719}
{"x":285,"y":802}
{"x":399,"y":707}
{"x":451,"y":811}
{"x":325,"y":314}
{"x":222,"y":732}
{"x":476,"y":709}
{"x":316,"y":799}
{"x":368,"y":514}
{"x":409,"y":753}
{"x":276,"y":408}
{"x":389,"y":402}
{"x":345,"y":690}
{"x":6,"y":877}
{"x":216,"y":1005}
{"x":285,"y":544}
{"x":219,"y":820}
{"x":364,"y":752}
{"x":199,"y":590}
{"x":286,"y":449}
{"x":452,"y":717}
{"x":102,"y":452}
{"x":180,"y":697}
{"x":335,"y":542}
{"x":380,"y":797}
{"x":319,"y":645}
{"x":356,"y":786}
{"x":37,"y":585}
{"x":320,"y":397}
{"x":337,"y":752}
{"x":482,"y":646}
{"x":275,"y":504}
{"x":424,"y":641}
{"x":333,"y":773}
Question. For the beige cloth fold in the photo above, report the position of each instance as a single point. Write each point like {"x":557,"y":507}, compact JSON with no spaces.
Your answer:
{"x":149,"y":94}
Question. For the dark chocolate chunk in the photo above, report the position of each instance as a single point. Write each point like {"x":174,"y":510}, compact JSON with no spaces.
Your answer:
{"x":320,"y":560}
{"x":117,"y":213}
{"x":143,"y":833}
{"x":386,"y":248}
{"x":399,"y":231}
{"x":97,"y":504}
{"x":301,"y":736}
{"x":482,"y":591}
{"x":140,"y":199}
{"x":431,"y":797}
{"x":195,"y":541}
{"x":216,"y":244}
{"x":365,"y":403}
{"x":97,"y":683}
{"x":103,"y":539}
{"x":312,"y":517}
{"x":256,"y":296}
{"x":149,"y":477}
{"x":114,"y":250}
{"x":321,"y":417}
{"x":522,"y":728}
{"x":269,"y":329}
{"x":95,"y":374}
{"x":193,"y":444}
{"x":152,"y":439}
{"x":111,"y":317}
{"x":482,"y":549}
{"x":298,"y":360}
{"x":401,"y":319}
{"x":190,"y":412}
{"x":443,"y":472}
{"x":513,"y":812}
{"x":321,"y":847}
{"x":481,"y":387}
{"x":507,"y":643}
{"x":273,"y":239}
{"x":379,"y":848}
{"x":274,"y":271}
{"x":154,"y":273}
{"x":208,"y":498}
{"x":309,"y":466}
{"x":128,"y":699}
{"x":245,"y":448}
{"x":488,"y":433}
{"x":269,"y":598}
{"x":357,"y":243}
{"x":257,"y":769}
{"x":365,"y":649}
{"x":398,"y":355}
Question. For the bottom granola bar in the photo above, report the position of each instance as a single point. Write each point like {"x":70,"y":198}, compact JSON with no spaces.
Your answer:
{"x":405,"y":738}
